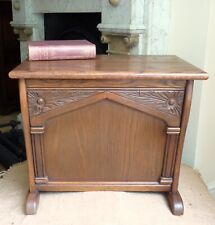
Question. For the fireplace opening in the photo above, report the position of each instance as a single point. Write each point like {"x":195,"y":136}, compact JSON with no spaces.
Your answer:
{"x":74,"y":26}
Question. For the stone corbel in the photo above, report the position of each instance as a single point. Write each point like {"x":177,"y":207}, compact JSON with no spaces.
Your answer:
{"x":105,"y":39}
{"x":120,"y":43}
{"x":131,"y":40}
{"x":16,"y":5}
{"x":24,"y":31}
{"x":114,"y":2}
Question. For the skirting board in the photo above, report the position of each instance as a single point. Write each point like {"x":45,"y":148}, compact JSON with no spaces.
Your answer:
{"x":211,"y":188}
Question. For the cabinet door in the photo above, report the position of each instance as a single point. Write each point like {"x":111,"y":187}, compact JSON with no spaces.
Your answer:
{"x":105,"y":135}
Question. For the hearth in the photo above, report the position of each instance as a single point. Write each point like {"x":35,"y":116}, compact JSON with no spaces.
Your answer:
{"x":74,"y":26}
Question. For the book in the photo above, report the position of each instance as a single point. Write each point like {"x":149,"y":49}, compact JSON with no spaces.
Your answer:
{"x":62,"y":49}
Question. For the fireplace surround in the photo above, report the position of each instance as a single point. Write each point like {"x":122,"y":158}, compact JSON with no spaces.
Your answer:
{"x":132,"y":27}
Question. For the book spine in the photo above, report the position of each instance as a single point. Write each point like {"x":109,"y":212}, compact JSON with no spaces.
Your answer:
{"x":61,"y":52}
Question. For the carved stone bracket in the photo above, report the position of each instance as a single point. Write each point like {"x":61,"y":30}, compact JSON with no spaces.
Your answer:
{"x":131,"y":41}
{"x":114,"y":2}
{"x":16,"y":5}
{"x":120,"y":43}
{"x":105,"y":39}
{"x":24,"y":31}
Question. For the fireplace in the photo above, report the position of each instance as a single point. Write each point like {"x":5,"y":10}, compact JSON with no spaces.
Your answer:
{"x":131,"y":27}
{"x":74,"y":26}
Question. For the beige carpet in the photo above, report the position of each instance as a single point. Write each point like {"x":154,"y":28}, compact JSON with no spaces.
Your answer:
{"x":104,"y":208}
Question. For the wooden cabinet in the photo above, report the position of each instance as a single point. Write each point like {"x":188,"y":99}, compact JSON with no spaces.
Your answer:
{"x":113,"y":123}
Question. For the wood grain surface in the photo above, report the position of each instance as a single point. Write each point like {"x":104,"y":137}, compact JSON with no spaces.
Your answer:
{"x":111,"y":67}
{"x":104,"y":142}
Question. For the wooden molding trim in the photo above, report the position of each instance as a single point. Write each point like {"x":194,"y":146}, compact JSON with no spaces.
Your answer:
{"x":173,"y":130}
{"x":166,"y":180}
{"x":37,"y":130}
{"x":104,"y":186}
{"x":41,"y":180}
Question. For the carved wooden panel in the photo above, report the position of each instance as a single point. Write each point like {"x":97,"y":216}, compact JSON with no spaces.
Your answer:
{"x":169,"y":102}
{"x":166,"y":101}
{"x":41,"y":101}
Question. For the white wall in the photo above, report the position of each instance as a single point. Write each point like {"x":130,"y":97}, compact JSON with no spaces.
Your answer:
{"x":192,"y":37}
{"x":205,"y":151}
{"x":187,"y":39}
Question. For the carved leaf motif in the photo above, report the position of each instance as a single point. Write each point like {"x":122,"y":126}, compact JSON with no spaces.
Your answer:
{"x":54,"y":99}
{"x":34,"y":107}
{"x":165,"y":101}
{"x":169,"y":102}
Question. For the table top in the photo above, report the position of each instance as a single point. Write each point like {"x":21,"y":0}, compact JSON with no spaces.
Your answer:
{"x":111,"y":67}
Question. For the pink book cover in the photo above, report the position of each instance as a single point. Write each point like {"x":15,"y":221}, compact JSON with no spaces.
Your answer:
{"x":59,"y":50}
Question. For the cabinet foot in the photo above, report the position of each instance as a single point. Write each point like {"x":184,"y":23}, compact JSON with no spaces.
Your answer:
{"x":175,"y":203}
{"x":32,"y":203}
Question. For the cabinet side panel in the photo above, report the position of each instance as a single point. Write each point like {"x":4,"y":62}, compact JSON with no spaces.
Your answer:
{"x":26,"y":128}
{"x":184,"y":123}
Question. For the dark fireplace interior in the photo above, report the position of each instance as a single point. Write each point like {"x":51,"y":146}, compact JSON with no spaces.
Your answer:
{"x":74,"y":26}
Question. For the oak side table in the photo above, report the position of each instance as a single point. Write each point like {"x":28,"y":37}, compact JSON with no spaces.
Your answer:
{"x":112,"y":123}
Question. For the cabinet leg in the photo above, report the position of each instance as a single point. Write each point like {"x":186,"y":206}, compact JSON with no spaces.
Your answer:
{"x":32,"y":202}
{"x":175,"y":203}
